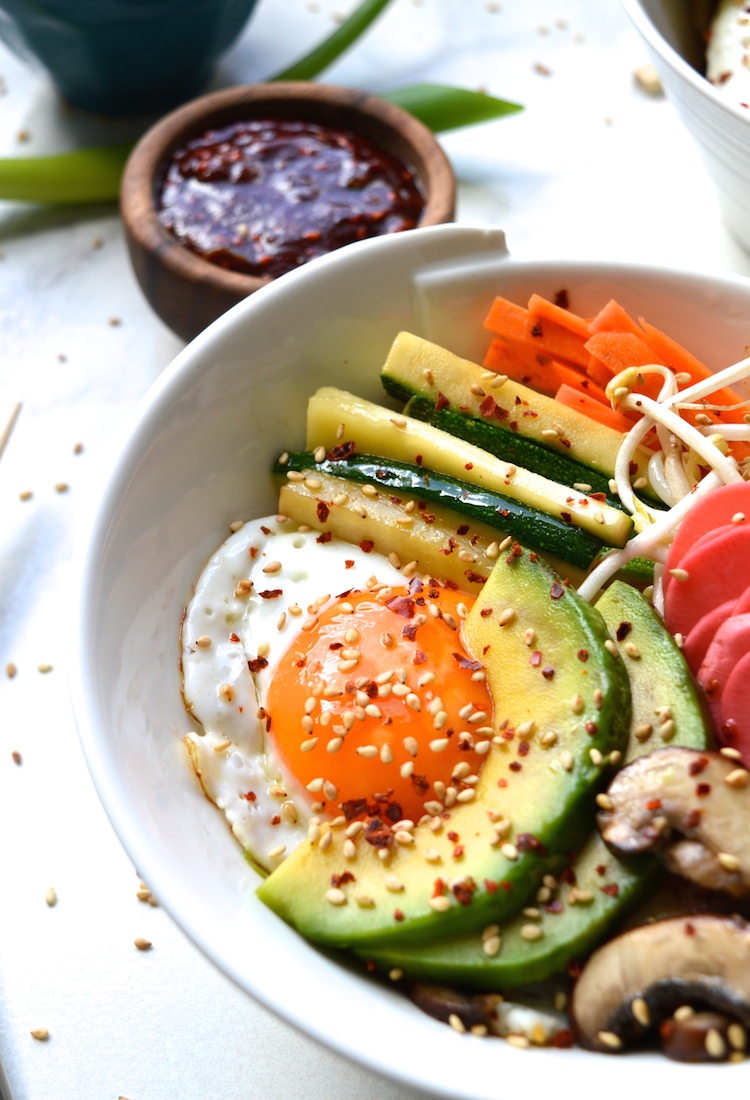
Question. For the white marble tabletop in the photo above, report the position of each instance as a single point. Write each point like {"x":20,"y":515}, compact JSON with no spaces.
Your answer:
{"x":594,"y":168}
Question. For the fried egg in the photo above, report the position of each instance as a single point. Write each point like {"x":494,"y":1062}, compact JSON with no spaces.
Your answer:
{"x":326,"y":682}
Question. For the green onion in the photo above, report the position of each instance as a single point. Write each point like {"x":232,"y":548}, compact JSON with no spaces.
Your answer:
{"x":85,"y":175}
{"x":342,"y":38}
{"x":441,"y":107}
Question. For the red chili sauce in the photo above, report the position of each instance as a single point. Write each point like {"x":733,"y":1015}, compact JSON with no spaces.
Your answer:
{"x":266,"y":196}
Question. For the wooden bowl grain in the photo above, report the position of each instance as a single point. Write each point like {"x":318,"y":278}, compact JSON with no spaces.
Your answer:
{"x":188,"y":292}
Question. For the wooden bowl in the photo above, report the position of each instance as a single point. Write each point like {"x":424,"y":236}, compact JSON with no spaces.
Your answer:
{"x":187,"y":291}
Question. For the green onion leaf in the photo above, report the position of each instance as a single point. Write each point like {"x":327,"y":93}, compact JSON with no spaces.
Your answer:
{"x":442,"y":107}
{"x":85,"y":175}
{"x":342,"y":38}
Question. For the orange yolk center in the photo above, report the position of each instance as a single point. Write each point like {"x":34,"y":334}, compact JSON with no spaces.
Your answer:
{"x":378,"y":709}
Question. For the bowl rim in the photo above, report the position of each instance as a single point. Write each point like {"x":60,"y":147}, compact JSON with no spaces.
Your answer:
{"x":403,"y":1066}
{"x":141,"y":176}
{"x":676,"y":62}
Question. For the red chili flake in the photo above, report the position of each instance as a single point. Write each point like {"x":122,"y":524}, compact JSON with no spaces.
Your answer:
{"x":623,"y":630}
{"x":257,"y":663}
{"x":419,"y":657}
{"x":418,"y":459}
{"x":696,"y":766}
{"x":692,"y":819}
{"x":371,"y":966}
{"x":702,"y":789}
{"x":336,"y":645}
{"x":398,"y":914}
{"x":234,"y":638}
{"x":322,"y":510}
{"x":442,"y":402}
{"x":462,"y":891}
{"x":366,"y":546}
{"x":451,"y":584}
{"x":548,"y":672}
{"x":536,"y":329}
{"x":653,"y":804}
{"x":403,"y":606}
{"x":409,"y":632}
{"x":601,"y":868}
{"x":275,"y":820}
{"x":536,"y":658}
{"x":458,"y":851}
{"x":556,"y":591}
{"x":514,"y":766}
{"x":266,"y":530}
{"x":527,"y":842}
{"x":633,"y":468}
{"x":523,"y":748}
{"x":566,"y":517}
{"x":378,"y":833}
{"x":485,"y":612}
{"x":250,"y":796}
{"x":268,"y":723}
{"x":563,"y":1039}
{"x":689,"y":928}
{"x":518,"y":401}
{"x":561,"y":299}
{"x":271,"y":594}
{"x":420,"y":783}
{"x":574,"y":968}
{"x":341,"y":451}
{"x":488,"y":406}
{"x":324,"y":537}
{"x":469,"y":466}
{"x":555,"y":906}
{"x":438,"y":888}
{"x":349,"y":563}
{"x":505,"y":885}
{"x":465,"y":662}
{"x":453,"y":836}
{"x":342,"y":879}
{"x":463,"y":529}
{"x":568,"y":876}
{"x":253,"y":551}
{"x":516,"y":551}
{"x":583,"y":655}
{"x":591,"y":729}
{"x":513,"y":425}
{"x":490,"y":886}
{"x":502,"y":783}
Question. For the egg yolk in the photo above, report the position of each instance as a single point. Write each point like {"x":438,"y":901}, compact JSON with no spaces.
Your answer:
{"x":378,"y":709}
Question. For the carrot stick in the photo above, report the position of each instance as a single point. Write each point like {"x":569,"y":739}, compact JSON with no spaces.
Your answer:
{"x":544,"y":310}
{"x":542,"y":372}
{"x":507,"y":319}
{"x":604,"y":414}
{"x":613,"y":318}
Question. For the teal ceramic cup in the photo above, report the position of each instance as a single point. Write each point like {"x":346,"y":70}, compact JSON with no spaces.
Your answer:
{"x":124,"y":56}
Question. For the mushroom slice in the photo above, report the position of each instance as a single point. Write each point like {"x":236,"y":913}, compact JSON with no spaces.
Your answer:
{"x":640,"y":977}
{"x":690,"y":808}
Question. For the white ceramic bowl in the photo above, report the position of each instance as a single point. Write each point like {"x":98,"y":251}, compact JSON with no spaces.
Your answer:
{"x":197,"y":458}
{"x":672,"y":33}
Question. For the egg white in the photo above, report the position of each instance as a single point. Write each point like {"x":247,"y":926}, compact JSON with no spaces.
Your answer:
{"x":728,"y":52}
{"x":223,"y":629}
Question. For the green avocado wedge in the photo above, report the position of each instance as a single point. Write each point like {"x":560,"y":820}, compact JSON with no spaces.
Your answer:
{"x":561,"y":706}
{"x":569,"y":918}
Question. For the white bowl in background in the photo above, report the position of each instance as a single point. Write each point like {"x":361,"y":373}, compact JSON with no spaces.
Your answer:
{"x":672,"y":31}
{"x":196,"y":458}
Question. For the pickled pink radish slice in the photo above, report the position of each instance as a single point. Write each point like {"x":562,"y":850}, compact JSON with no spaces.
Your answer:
{"x":700,"y":637}
{"x":716,"y":572}
{"x":734,"y":728}
{"x":711,"y":512}
{"x":730,"y":644}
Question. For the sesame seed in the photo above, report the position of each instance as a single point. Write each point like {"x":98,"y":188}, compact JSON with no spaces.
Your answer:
{"x":41,"y":1034}
{"x":641,"y":1012}
{"x":737,"y":778}
{"x":456,"y":1023}
{"x":450,"y":621}
{"x":510,"y":852}
{"x":549,"y":433}
{"x":326,"y":841}
{"x":440,"y":904}
{"x":406,"y":770}
{"x":313,"y":833}
{"x":349,"y":849}
{"x":142,"y":944}
{"x":738,"y":517}
{"x":313,"y":484}
{"x":467,"y":556}
{"x":529,"y":636}
{"x":519,"y":1041}
{"x":394,"y":560}
{"x":596,"y":758}
{"x":368,"y":752}
{"x":203,"y":642}
{"x":477,"y":390}
{"x":330,"y":791}
{"x":609,"y":1039}
{"x":566,"y":759}
{"x":10,"y":670}
{"x":335,"y":745}
{"x":264,"y":649}
{"x":340,"y":431}
{"x":493,"y":551}
{"x":531,"y":932}
{"x":399,"y":421}
{"x":440,"y":744}
{"x":549,"y":739}
{"x":715,"y":1045}
{"x":576,"y":704}
{"x":604,"y":802}
{"x":728,"y":861}
{"x":737,"y":1036}
{"x":491,"y":945}
{"x":221,"y":746}
{"x":506,"y":617}
{"x":272,"y":567}
{"x":348,"y":666}
{"x":336,"y":896}
{"x":289,"y":812}
{"x":403,"y":837}
{"x":643,"y":731}
{"x":394,"y":884}
{"x":466,"y":796}
{"x":479,"y":676}
{"x":526,"y":728}
{"x":51,"y":897}
{"x":431,"y":855}
{"x":276,"y":852}
{"x":582,"y":486}
{"x":632,"y":651}
{"x":667,"y":730}
{"x":440,"y":720}
{"x":44,"y":668}
{"x":684,"y":1012}
{"x":386,"y":754}
{"x":615,"y":757}
{"x":428,"y":376}
{"x":681,"y":575}
{"x":498,"y":381}
{"x":731,"y":754}
{"x":610,"y":646}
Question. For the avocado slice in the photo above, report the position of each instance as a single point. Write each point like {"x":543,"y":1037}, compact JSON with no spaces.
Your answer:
{"x":574,"y":916}
{"x":558,"y":694}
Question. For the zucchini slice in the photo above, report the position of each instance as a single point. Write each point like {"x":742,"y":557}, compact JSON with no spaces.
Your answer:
{"x":534,"y":529}
{"x":342,"y":423}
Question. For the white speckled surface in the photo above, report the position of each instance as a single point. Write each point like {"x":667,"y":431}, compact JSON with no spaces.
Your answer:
{"x":594,"y":168}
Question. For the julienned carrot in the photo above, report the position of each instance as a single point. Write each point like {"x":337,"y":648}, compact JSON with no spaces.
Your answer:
{"x":598,"y":372}
{"x":680,"y":360}
{"x":542,"y":372}
{"x":507,"y":319}
{"x":613,"y":318}
{"x":620,"y":350}
{"x":542,"y":309}
{"x":604,"y":414}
